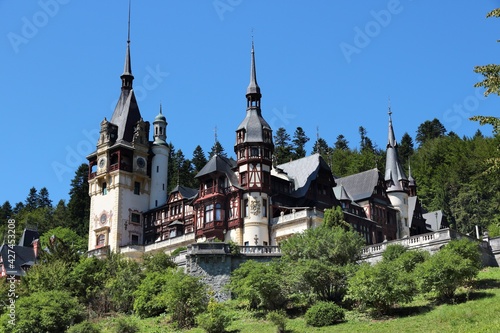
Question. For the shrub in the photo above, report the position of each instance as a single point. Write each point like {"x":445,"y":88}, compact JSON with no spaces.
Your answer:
{"x":448,"y":269}
{"x":278,"y":318}
{"x":393,"y":252}
{"x":381,"y":286}
{"x":45,"y":312}
{"x":324,"y":314}
{"x":125,"y":325}
{"x":84,"y":327}
{"x":214,"y":320}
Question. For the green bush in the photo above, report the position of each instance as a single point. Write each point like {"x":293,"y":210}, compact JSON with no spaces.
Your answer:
{"x":278,"y":318}
{"x":393,"y":252}
{"x":44,"y":312}
{"x":457,"y":264}
{"x":381,"y":286}
{"x":84,"y":327}
{"x":214,"y":320}
{"x":126,"y":325}
{"x":324,"y":314}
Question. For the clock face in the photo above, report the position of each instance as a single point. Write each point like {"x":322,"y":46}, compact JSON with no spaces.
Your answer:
{"x":102,"y":162}
{"x":141,"y":163}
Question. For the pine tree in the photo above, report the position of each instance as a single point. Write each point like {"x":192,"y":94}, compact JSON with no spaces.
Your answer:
{"x":217,"y":149}
{"x":282,"y":147}
{"x":299,"y":142}
{"x":405,"y":148}
{"x":5,"y":211}
{"x":341,"y":143}
{"x":32,"y":200}
{"x":79,"y":202}
{"x":60,"y":216}
{"x":43,"y":198}
{"x":320,"y":147}
{"x":429,"y":130}
{"x":199,"y":160}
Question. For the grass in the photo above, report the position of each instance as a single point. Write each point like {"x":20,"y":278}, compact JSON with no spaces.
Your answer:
{"x":477,"y":314}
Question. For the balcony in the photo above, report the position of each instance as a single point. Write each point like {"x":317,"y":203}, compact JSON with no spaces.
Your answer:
{"x":101,"y":252}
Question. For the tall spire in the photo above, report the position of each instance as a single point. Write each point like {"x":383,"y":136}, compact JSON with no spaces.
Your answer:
{"x":127,"y":76}
{"x":253,"y":90}
{"x":395,"y":177}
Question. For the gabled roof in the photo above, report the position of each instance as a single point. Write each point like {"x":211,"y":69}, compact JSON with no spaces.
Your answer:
{"x":340,"y":193}
{"x":412,"y":205}
{"x":186,"y":192}
{"x":24,"y":256}
{"x":303,"y":171}
{"x":220,"y":165}
{"x":28,"y":237}
{"x":434,"y":220}
{"x":360,"y":185}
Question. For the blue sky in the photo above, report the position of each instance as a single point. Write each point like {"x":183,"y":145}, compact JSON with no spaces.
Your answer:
{"x":327,"y":64}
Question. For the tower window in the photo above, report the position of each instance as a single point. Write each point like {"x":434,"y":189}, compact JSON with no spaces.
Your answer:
{"x":157,"y":168}
{"x":135,"y":218}
{"x":245,"y":205}
{"x":264,"y":207}
{"x":101,"y":239}
{"x":254,"y":151}
{"x":135,"y":239}
{"x":104,"y":188}
{"x":137,"y":188}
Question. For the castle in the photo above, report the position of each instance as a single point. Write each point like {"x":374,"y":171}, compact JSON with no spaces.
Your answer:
{"x":247,"y":200}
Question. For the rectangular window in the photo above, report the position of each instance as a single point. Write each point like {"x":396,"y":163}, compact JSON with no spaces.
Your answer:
{"x":104,"y":188}
{"x":264,"y":208}
{"x":245,"y":205}
{"x":254,"y":151}
{"x":243,"y":178}
{"x":137,"y":188}
{"x":135,"y":239}
{"x":135,"y":218}
{"x":246,"y":243}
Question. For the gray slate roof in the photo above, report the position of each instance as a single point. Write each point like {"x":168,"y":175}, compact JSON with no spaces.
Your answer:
{"x":434,"y":219}
{"x":360,"y":185}
{"x":24,"y":256}
{"x":28,"y":237}
{"x":220,"y":164}
{"x":186,"y":192}
{"x":393,"y":170}
{"x":254,"y":125}
{"x":126,"y":115}
{"x":412,"y":205}
{"x":303,"y":171}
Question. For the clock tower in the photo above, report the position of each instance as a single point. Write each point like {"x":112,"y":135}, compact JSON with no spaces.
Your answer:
{"x":119,"y":172}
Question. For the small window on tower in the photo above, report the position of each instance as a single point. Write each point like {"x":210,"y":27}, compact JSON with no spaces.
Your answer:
{"x":101,"y":239}
{"x":137,"y":188}
{"x":104,"y":188}
{"x":254,"y":152}
{"x":135,"y":239}
{"x":135,"y":218}
{"x":264,"y":207}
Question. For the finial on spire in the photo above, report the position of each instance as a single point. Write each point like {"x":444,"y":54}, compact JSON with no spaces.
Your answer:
{"x":127,"y":76}
{"x":317,"y":132}
{"x":390,"y":111}
{"x":128,"y":37}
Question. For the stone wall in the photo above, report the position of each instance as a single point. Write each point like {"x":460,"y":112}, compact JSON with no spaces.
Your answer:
{"x":214,"y":262}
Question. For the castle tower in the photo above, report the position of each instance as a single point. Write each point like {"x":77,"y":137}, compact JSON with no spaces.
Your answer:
{"x":159,"y":162}
{"x":396,"y":182}
{"x":412,"y":184}
{"x":119,"y":181}
{"x":254,"y":150}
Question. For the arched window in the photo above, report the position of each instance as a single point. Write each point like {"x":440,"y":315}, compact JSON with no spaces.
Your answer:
{"x":101,"y":239}
{"x":218,"y":212}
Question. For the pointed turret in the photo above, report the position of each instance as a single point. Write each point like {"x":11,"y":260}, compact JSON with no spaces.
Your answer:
{"x":253,"y":128}
{"x":395,"y":177}
{"x":253,"y":90}
{"x":412,"y":184}
{"x":126,"y":114}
